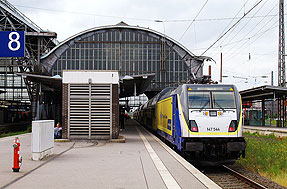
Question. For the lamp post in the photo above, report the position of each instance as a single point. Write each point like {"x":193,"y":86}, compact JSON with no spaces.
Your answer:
{"x":162,"y":25}
{"x":164,"y":37}
{"x":162,"y":66}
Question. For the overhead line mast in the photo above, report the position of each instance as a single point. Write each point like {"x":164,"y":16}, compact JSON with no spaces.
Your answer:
{"x":281,"y":47}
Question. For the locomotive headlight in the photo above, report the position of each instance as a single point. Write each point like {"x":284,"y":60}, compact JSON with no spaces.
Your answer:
{"x":232,"y":126}
{"x":193,"y":126}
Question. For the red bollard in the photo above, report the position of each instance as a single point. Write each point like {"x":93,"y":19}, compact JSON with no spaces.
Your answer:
{"x":17,"y":158}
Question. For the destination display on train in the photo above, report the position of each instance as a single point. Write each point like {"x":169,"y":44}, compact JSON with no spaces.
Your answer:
{"x":12,"y":44}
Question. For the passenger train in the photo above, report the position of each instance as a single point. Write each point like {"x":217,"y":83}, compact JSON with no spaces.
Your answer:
{"x":201,"y":121}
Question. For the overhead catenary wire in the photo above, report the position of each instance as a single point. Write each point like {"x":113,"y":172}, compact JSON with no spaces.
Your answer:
{"x":233,"y":19}
{"x":144,"y":19}
{"x":231,"y":27}
{"x":152,"y":20}
{"x":193,"y":20}
{"x":274,"y":25}
{"x":220,"y":19}
{"x":238,"y":41}
{"x":241,"y":47}
{"x":239,"y":31}
{"x":242,"y":76}
{"x":85,"y":13}
{"x":254,"y":28}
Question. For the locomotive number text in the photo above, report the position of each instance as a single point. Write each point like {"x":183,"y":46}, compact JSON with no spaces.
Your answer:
{"x":210,"y":129}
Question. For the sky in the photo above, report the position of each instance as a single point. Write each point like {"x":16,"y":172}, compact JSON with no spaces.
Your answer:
{"x":249,"y":49}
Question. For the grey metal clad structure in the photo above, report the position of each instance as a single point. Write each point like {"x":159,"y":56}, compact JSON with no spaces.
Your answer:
{"x":132,"y":50}
{"x":14,"y":19}
{"x":15,"y":88}
{"x":90,"y":107}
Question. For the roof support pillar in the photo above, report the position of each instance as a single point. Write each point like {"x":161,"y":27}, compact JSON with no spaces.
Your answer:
{"x":263,"y":112}
{"x":38,"y":97}
{"x":273,"y":107}
{"x":135,"y":89}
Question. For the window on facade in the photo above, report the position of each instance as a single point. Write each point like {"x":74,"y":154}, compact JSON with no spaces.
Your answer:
{"x":135,"y":58}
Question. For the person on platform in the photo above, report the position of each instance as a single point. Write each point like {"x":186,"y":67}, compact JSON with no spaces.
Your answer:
{"x":58,"y":131}
{"x":122,"y":120}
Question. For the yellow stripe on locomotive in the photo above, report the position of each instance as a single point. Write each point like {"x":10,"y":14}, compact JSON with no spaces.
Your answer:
{"x":164,"y":115}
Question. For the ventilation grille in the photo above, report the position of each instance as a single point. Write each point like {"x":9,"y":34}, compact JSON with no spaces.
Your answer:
{"x":90,"y":111}
{"x":100,"y":110}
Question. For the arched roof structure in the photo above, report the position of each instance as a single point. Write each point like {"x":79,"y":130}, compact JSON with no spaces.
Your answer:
{"x":132,"y":50}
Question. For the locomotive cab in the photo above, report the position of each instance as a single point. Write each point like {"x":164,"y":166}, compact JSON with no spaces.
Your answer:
{"x":215,"y":124}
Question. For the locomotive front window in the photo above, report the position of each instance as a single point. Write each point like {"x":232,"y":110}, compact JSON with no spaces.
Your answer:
{"x":223,"y":100}
{"x":199,"y":99}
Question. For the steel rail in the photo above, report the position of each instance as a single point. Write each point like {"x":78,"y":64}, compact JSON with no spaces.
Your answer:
{"x":245,"y":179}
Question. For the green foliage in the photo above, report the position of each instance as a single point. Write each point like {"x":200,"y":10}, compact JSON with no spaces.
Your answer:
{"x":273,"y":122}
{"x":29,"y":130}
{"x":266,"y":155}
{"x":256,"y":134}
{"x":275,"y":115}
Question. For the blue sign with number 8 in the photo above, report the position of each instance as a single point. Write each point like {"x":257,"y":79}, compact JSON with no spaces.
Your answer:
{"x":12,"y":44}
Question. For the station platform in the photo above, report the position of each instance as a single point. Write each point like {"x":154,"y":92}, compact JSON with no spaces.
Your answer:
{"x":143,"y":161}
{"x":266,"y":130}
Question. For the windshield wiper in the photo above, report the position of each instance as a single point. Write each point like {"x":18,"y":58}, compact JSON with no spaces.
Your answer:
{"x":203,"y":106}
{"x":219,"y":106}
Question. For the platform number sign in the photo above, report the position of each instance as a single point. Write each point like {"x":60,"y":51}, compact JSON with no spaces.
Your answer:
{"x":12,"y":44}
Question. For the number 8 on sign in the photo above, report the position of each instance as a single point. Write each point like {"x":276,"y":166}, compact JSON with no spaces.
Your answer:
{"x":18,"y":45}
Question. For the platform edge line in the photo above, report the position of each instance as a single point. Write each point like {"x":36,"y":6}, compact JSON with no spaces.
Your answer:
{"x":207,"y":182}
{"x":166,"y":176}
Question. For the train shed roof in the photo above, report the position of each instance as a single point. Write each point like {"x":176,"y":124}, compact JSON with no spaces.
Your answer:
{"x":263,"y":92}
{"x":127,"y":84}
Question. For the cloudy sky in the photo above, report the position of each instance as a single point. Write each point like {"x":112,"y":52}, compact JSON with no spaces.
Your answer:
{"x":249,"y":49}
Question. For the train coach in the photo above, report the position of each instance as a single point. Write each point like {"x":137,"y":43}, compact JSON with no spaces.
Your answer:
{"x":201,"y":121}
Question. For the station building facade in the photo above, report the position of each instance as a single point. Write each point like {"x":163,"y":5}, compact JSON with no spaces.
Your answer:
{"x":131,"y":50}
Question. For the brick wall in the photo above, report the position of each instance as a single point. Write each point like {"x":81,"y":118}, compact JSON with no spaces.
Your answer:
{"x":65,"y":93}
{"x":115,"y":111}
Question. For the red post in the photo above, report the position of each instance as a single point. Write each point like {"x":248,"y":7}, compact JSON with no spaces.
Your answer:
{"x":209,"y":70}
{"x":220,"y":68}
{"x":17,"y":158}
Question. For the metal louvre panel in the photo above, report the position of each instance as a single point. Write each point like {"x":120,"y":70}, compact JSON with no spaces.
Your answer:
{"x":90,"y":111}
{"x":100,"y":110}
{"x":79,"y":110}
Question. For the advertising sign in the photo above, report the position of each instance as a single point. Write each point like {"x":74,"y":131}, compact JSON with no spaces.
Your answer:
{"x":12,"y":44}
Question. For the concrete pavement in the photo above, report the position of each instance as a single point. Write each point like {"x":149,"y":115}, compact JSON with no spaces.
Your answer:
{"x":97,"y":164}
{"x":266,"y":130}
{"x":6,"y":160}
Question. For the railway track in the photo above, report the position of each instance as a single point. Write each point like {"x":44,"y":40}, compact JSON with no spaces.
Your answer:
{"x":225,"y":177}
